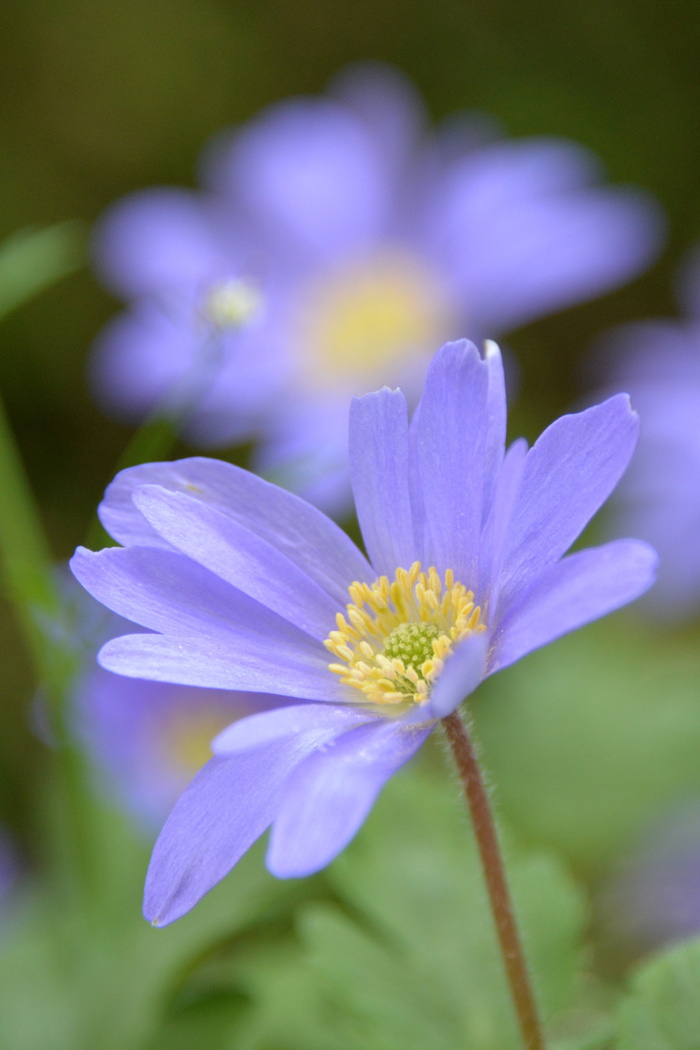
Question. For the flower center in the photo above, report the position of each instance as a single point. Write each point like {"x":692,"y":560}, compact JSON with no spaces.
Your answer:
{"x":231,"y":304}
{"x":185,"y":739}
{"x":396,"y":636}
{"x":360,"y":319}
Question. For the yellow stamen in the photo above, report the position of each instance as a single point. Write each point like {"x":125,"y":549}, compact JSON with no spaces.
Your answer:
{"x":359,"y":320}
{"x":395,"y":636}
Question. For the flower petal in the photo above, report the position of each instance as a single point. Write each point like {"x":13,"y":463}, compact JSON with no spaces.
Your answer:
{"x":571,"y":593}
{"x":301,"y":532}
{"x":449,"y":433}
{"x":156,"y":239}
{"x":168,"y":592}
{"x":569,"y":472}
{"x":329,"y":795}
{"x":311,"y":175}
{"x":378,"y":452}
{"x":462,"y":673}
{"x":495,"y":535}
{"x":256,"y":663}
{"x":139,"y":357}
{"x":215,"y":635}
{"x":228,"y":806}
{"x":238,"y":556}
{"x":267,"y":726}
{"x":496,"y":408}
{"x":523,"y":231}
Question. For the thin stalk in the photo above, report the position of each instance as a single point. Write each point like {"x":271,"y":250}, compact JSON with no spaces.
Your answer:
{"x":495,"y":877}
{"x":41,"y":612}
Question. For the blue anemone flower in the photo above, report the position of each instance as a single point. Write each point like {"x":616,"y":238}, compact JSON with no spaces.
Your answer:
{"x":247,"y":587}
{"x":334,"y":242}
{"x":658,"y":361}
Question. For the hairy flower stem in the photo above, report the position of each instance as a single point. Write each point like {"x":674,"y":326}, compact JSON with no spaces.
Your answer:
{"x":495,"y":876}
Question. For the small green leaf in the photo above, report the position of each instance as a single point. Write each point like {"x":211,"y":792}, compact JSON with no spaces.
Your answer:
{"x":414,"y":962}
{"x":34,"y":258}
{"x":588,"y":737}
{"x":663,"y":1011}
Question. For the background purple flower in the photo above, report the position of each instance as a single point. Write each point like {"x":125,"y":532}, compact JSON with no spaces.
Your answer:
{"x":654,"y":897}
{"x":148,"y":739}
{"x":658,"y":362}
{"x":244,"y":583}
{"x":333,"y":244}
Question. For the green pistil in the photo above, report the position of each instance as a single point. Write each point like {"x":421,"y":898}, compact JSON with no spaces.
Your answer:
{"x":412,"y":643}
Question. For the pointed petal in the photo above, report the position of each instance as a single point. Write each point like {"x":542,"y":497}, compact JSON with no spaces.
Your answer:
{"x":495,"y":535}
{"x":462,"y":673}
{"x":264,"y":728}
{"x":581,"y":588}
{"x":256,"y":663}
{"x":379,"y":473}
{"x":165,"y":591}
{"x":235,"y":554}
{"x":449,"y":442}
{"x":497,"y":418}
{"x":298,"y":530}
{"x":329,"y":795}
{"x":569,"y":473}
{"x":226,"y":808}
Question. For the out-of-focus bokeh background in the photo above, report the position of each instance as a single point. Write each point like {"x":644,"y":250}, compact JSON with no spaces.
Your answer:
{"x":591,"y":741}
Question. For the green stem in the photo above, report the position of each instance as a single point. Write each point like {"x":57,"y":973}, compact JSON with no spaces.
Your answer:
{"x":42,"y":615}
{"x":496,"y":883}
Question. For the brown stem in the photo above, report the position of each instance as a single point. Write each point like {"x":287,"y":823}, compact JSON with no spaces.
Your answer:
{"x":494,"y":874}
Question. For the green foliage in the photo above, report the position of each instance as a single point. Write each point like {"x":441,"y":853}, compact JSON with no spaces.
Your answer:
{"x":589,"y":738}
{"x":72,"y":978}
{"x":406,"y":958}
{"x":34,"y":258}
{"x":663,"y":1011}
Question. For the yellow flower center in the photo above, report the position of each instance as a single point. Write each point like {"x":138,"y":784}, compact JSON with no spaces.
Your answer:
{"x":359,"y":320}
{"x":185,"y":740}
{"x":396,"y":636}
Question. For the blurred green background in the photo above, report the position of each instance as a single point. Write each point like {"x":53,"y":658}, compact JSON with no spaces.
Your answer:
{"x":98,"y":99}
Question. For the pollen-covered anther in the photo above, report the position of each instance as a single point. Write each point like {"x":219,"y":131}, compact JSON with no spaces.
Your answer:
{"x":396,"y":635}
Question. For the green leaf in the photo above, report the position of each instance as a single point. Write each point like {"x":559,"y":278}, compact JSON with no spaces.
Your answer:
{"x":104,"y":981}
{"x":589,"y":736}
{"x":663,"y":1011}
{"x":35,"y":258}
{"x":412,"y":960}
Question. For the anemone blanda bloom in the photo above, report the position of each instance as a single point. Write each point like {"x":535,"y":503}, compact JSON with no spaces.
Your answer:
{"x":247,"y":587}
{"x":334,"y":243}
{"x":658,"y":361}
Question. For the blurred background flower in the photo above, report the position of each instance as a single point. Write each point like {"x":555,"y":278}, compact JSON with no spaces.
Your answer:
{"x":334,"y":246}
{"x":148,"y":739}
{"x":653,"y":897}
{"x":588,"y":740}
{"x":658,"y":362}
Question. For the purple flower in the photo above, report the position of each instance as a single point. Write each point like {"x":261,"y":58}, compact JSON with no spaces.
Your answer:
{"x":659,"y":363}
{"x":654,"y":896}
{"x":333,"y":245}
{"x":148,"y":739}
{"x":247,"y":587}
